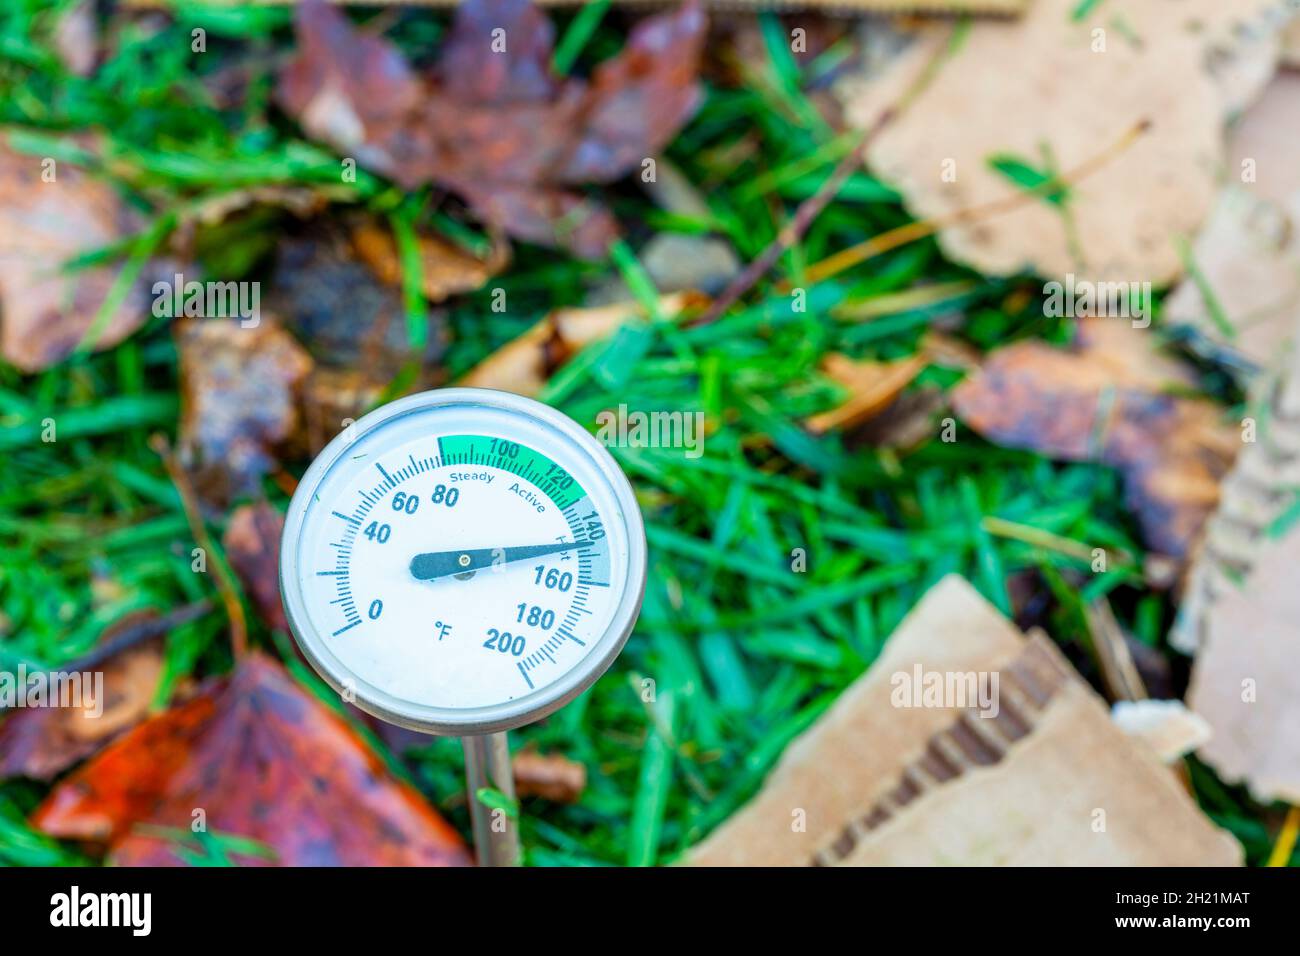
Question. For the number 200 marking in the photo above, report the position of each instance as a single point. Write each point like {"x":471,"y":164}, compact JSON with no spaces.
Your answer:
{"x":505,"y":642}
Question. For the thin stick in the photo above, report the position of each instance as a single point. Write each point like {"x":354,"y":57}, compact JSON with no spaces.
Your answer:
{"x":138,"y":633}
{"x":226,"y":584}
{"x":812,"y":207}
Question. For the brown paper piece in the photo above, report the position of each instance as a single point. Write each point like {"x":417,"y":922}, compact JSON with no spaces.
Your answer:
{"x":1015,"y":88}
{"x":1246,"y":683}
{"x":1248,"y":254}
{"x":881,"y":784}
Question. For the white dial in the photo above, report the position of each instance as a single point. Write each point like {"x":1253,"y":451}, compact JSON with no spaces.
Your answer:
{"x":463,"y":561}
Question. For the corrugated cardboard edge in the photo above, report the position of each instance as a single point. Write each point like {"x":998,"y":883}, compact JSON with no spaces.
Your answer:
{"x":864,"y":751}
{"x":1254,"y":494}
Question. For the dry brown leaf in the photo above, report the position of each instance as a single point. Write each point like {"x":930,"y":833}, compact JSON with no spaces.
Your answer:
{"x":42,"y":743}
{"x":497,"y":126}
{"x":908,"y":422}
{"x":1107,"y":400}
{"x":1246,"y":683}
{"x":351,"y":321}
{"x":871,"y":387}
{"x":239,"y":401}
{"x":1041,"y":71}
{"x":1248,"y":254}
{"x":45,"y":312}
{"x":880,"y":781}
{"x":445,"y":269}
{"x":525,"y":364}
{"x":552,"y":777}
{"x":252,"y":546}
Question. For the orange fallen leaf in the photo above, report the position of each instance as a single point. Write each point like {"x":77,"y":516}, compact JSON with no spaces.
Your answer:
{"x":42,"y":743}
{"x":1108,"y":400}
{"x":445,"y":269}
{"x":262,"y":759}
{"x":871,"y":387}
{"x":524,"y":364}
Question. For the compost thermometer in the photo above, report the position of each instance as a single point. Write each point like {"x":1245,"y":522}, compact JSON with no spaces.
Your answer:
{"x":462,"y":562}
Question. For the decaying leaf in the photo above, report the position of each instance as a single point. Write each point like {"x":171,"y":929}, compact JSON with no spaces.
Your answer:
{"x":1076,"y":87}
{"x":351,"y":319}
{"x":1108,"y":400}
{"x":899,"y":773}
{"x":41,"y":743}
{"x":494,"y":125}
{"x":525,"y":364}
{"x":45,"y":311}
{"x":263,"y":760}
{"x":1244,"y":294}
{"x":445,"y":269}
{"x":870,"y":386}
{"x":552,"y":777}
{"x":1246,"y":683}
{"x":239,"y":401}
{"x":252,"y":546}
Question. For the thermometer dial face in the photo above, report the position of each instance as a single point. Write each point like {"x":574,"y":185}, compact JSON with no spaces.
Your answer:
{"x":462,"y":561}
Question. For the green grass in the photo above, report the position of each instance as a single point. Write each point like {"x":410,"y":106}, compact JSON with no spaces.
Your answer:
{"x":743,"y":652}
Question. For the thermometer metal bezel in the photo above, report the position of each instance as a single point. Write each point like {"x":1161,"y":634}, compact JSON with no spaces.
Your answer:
{"x":477,"y":720}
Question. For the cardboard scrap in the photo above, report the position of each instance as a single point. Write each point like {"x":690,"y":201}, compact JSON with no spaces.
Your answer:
{"x":1240,"y":607}
{"x":1246,"y":683}
{"x":1077,"y":81}
{"x":1166,"y":726}
{"x":1248,"y":254}
{"x":1255,"y":494}
{"x":1048,"y":779}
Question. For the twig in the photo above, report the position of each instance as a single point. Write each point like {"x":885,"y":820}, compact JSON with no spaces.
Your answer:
{"x":226,"y":584}
{"x":812,"y":207}
{"x":1117,"y":667}
{"x":140,"y":632}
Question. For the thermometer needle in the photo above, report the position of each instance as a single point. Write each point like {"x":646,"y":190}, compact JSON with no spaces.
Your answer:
{"x":439,"y":564}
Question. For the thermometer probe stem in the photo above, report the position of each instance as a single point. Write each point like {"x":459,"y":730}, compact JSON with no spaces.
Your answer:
{"x":487,"y":764}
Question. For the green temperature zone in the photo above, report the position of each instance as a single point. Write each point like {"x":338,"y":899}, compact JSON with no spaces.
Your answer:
{"x":560,"y":486}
